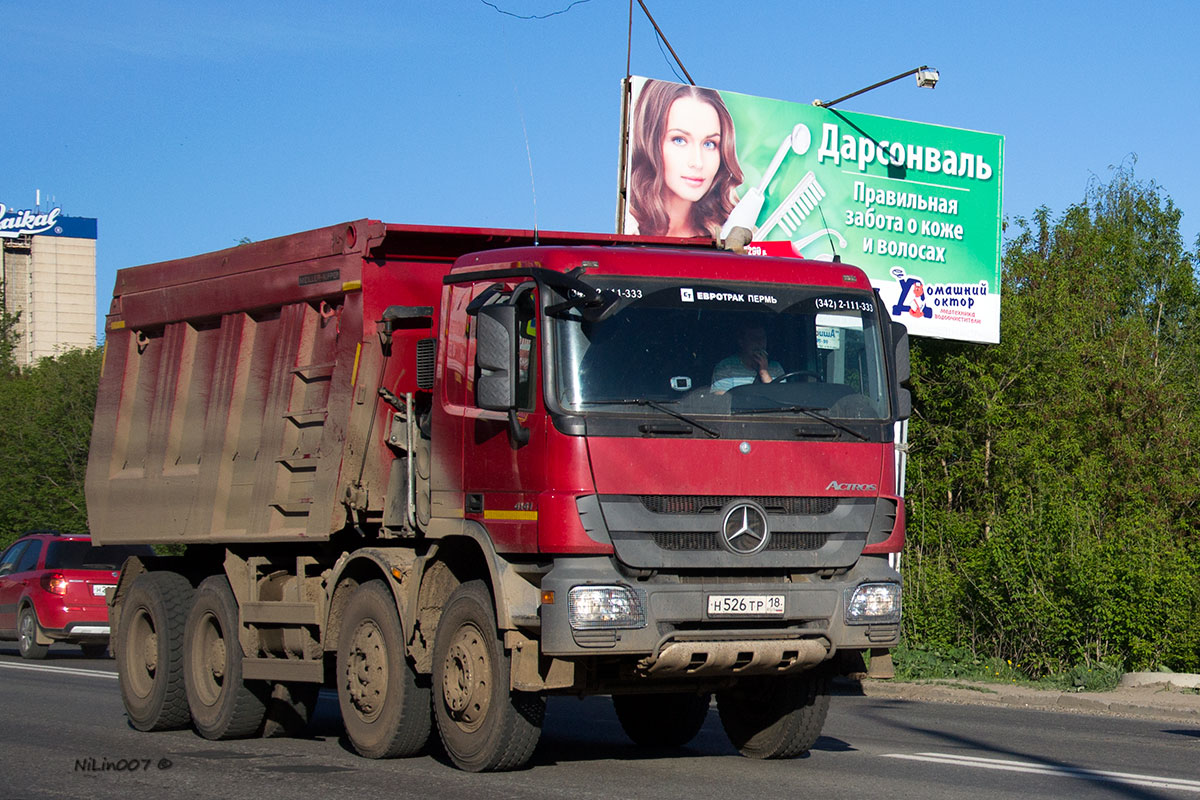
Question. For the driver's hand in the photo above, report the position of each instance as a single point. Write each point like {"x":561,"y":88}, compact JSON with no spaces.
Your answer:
{"x":761,"y":364}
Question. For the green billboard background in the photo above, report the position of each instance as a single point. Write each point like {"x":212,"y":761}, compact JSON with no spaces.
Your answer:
{"x":916,"y":206}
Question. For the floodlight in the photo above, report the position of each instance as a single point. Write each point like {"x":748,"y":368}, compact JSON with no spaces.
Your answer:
{"x":926,"y":78}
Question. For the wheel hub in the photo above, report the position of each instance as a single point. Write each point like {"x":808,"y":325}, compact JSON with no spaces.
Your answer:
{"x":216,"y":659}
{"x":150,"y":652}
{"x":367,"y":670}
{"x":467,"y":678}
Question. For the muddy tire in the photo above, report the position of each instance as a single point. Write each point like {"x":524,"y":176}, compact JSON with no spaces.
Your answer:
{"x":149,"y":651}
{"x":482,"y":724}
{"x":27,"y":631}
{"x":384,"y":708}
{"x":661,"y":720}
{"x":222,"y":704}
{"x":289,"y":709}
{"x":775,"y":717}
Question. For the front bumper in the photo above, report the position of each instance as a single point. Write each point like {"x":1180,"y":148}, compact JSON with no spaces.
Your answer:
{"x":679,"y":635}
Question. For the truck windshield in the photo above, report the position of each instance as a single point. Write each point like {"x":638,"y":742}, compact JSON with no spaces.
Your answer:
{"x":724,"y":349}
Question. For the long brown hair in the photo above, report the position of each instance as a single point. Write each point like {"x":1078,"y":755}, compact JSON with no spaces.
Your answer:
{"x":646,"y":185}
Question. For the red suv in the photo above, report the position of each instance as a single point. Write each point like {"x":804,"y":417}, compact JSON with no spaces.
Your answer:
{"x":53,"y":588}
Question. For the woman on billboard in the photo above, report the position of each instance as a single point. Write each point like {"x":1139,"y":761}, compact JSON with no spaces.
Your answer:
{"x":683,"y":171}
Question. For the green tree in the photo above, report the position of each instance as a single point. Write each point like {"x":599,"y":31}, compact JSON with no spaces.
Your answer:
{"x":9,"y":339}
{"x":1055,"y":477}
{"x":45,"y":426}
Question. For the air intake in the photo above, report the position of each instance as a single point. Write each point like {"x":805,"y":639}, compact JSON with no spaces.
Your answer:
{"x":426,"y":361}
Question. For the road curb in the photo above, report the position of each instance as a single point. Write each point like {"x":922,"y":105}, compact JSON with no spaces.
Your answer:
{"x":1141,"y":701}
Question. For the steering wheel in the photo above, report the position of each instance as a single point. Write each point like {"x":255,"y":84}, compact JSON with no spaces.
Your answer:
{"x":807,"y":374}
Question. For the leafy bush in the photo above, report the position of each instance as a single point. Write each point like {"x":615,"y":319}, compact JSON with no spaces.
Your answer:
{"x":1054,"y":478}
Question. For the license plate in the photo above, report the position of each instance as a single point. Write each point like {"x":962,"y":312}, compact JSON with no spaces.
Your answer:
{"x":745,"y":605}
{"x":100,"y":589}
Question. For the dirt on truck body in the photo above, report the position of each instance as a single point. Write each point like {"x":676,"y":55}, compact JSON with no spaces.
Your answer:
{"x":450,"y":471}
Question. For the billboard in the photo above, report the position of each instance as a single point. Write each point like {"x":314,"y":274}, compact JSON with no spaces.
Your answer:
{"x":916,"y":206}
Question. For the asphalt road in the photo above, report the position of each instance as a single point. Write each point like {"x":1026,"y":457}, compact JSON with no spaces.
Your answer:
{"x":63,"y":734}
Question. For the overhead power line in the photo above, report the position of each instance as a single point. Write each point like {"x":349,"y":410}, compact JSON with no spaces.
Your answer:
{"x":500,"y":10}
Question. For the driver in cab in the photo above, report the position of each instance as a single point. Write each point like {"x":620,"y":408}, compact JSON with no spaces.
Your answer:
{"x":749,"y":365}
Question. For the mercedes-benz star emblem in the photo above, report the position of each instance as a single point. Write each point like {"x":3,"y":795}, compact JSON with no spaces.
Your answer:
{"x":744,"y":529}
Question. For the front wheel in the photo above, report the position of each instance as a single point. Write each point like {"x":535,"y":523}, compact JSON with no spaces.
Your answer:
{"x":661,"y":720}
{"x":384,"y":708}
{"x":775,"y":717}
{"x":223,"y":705}
{"x":482,"y":723}
{"x":27,"y":631}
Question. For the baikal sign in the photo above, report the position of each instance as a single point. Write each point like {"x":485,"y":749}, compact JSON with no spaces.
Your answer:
{"x":916,"y":206}
{"x":35,"y":222}
{"x":14,"y":223}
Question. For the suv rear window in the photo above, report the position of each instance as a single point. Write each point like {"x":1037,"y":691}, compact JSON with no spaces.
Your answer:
{"x":79,"y":554}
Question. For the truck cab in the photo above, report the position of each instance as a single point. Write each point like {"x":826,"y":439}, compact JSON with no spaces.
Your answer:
{"x":706,"y":520}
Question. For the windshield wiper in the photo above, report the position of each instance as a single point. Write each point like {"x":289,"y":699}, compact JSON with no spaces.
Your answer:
{"x":657,"y":406}
{"x":808,"y":411}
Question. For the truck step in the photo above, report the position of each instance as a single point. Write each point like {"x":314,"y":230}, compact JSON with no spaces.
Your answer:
{"x":283,"y":669}
{"x":275,"y":612}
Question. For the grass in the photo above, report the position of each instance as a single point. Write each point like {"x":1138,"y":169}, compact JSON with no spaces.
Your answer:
{"x":940,"y":663}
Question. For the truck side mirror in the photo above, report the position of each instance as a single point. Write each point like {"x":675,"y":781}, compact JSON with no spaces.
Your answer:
{"x":496,"y":357}
{"x":903,"y":403}
{"x":900,"y":357}
{"x":900,"y":353}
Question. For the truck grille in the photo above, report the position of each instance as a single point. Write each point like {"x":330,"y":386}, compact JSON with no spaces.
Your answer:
{"x":711,"y":504}
{"x":690,"y":540}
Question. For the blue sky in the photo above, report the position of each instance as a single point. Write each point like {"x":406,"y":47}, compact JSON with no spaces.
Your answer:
{"x":184,"y":127}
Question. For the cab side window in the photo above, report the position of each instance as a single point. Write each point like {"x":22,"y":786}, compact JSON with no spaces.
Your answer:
{"x":527,"y":348}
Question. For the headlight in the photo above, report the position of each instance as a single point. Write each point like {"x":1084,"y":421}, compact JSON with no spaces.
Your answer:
{"x":590,"y":607}
{"x":873,"y":603}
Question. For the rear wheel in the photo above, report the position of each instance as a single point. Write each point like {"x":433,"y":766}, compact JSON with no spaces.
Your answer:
{"x":775,"y":717}
{"x":149,"y":650}
{"x":482,"y":724}
{"x":384,"y":709}
{"x":222,"y":704}
{"x":661,"y":720}
{"x":27,"y":631}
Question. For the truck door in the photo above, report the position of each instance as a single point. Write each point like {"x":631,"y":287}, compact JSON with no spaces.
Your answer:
{"x":503,"y":464}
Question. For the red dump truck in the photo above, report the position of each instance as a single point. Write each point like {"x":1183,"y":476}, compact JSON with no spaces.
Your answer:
{"x":451,"y":471}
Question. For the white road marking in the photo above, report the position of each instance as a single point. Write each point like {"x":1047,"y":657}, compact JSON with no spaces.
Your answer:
{"x":90,"y":673}
{"x":1103,"y":776}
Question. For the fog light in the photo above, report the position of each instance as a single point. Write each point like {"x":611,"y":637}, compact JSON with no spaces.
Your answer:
{"x":591,"y":607}
{"x":873,"y":602}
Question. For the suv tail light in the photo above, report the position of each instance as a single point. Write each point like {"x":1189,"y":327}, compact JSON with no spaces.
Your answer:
{"x":54,"y":583}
